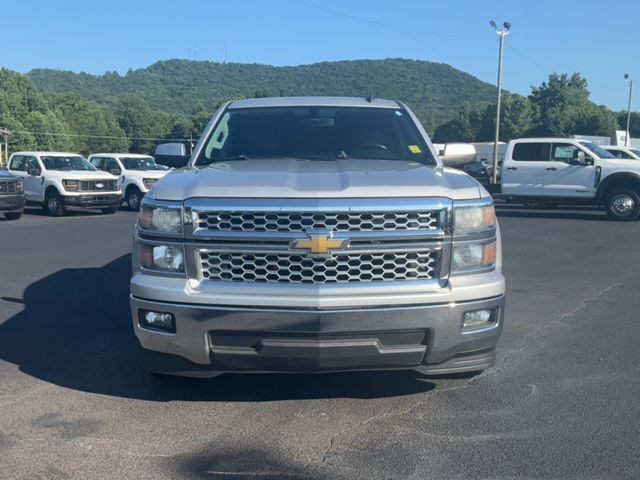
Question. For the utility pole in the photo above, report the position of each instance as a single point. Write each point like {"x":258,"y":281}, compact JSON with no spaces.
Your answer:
{"x":496,"y":156}
{"x":627,"y":138}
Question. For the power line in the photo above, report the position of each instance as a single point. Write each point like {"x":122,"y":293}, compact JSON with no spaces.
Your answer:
{"x":113,"y":137}
{"x":387,"y":25}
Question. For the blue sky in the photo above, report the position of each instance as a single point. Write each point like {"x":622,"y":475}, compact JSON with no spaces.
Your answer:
{"x":597,"y":39}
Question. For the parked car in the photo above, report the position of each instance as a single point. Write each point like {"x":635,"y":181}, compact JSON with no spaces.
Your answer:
{"x":11,"y":195}
{"x":58,"y":180}
{"x":138,"y":173}
{"x":316,"y":234}
{"x":568,"y":171}
{"x":628,"y":153}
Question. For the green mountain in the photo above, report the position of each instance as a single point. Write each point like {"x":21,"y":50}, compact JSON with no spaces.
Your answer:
{"x":434,"y":90}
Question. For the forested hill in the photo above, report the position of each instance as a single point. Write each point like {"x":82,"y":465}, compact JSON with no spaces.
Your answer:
{"x":434,"y":90}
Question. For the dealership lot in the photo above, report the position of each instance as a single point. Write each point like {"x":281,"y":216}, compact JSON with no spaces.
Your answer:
{"x":561,"y":403}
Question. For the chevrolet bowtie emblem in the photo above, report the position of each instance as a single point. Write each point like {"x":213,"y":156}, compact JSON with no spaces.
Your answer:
{"x":319,"y":243}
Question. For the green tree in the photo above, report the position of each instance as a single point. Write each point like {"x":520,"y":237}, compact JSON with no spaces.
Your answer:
{"x":562,"y":108}
{"x":97,"y":128}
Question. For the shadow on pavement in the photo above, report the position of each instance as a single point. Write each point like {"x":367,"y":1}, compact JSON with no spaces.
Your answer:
{"x":563,"y":213}
{"x":75,"y":331}
{"x":223,"y":461}
{"x":37,"y":211}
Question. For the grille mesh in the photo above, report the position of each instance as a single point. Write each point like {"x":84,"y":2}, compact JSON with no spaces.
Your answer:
{"x":293,"y":268}
{"x":92,"y":185}
{"x":7,"y":187}
{"x":303,"y":221}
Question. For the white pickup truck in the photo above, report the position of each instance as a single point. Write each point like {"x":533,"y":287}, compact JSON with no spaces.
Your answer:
{"x":57,"y":180}
{"x":551,"y":171}
{"x":137,"y":173}
{"x":316,"y":234}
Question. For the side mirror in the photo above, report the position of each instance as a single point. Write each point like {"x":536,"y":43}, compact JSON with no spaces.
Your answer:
{"x":115,"y":171}
{"x":582,"y":159}
{"x":34,"y":172}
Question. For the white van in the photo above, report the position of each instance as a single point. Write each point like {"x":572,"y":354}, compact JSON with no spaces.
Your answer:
{"x":138,"y":173}
{"x":569,"y":171}
{"x":57,"y":180}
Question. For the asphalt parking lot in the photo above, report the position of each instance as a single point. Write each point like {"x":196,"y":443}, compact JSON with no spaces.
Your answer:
{"x":562,"y":401}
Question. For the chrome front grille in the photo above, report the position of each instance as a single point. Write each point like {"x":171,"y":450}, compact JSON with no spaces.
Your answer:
{"x":296,"y":222}
{"x":305,"y":269}
{"x":99,"y":185}
{"x":8,"y":187}
{"x":354,"y":242}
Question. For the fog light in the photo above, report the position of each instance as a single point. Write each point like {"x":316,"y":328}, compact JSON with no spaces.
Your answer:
{"x":157,"y":320}
{"x":479,"y":319}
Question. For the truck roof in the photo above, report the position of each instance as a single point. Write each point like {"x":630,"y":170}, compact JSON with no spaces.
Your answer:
{"x":313,"y":102}
{"x":60,"y":154}
{"x":551,"y":139}
{"x":130,"y":155}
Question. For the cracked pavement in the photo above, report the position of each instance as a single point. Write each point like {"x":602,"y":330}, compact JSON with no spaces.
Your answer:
{"x":562,"y":402}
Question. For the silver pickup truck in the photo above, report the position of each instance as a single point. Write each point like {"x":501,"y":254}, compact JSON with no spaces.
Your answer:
{"x":316,"y":234}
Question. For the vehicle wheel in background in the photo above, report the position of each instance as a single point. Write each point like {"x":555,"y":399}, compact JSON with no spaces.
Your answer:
{"x":134,"y":197}
{"x":622,"y":204}
{"x":53,"y":204}
{"x":109,"y":211}
{"x":13,"y":215}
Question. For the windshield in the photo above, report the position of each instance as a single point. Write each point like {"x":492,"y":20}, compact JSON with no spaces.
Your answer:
{"x":635,"y":151}
{"x":315,"y":133}
{"x":63,"y":162}
{"x":141,"y":163}
{"x":598,"y":150}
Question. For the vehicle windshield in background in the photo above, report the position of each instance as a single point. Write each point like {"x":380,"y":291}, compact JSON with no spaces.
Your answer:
{"x":59,"y":162}
{"x":635,"y":151}
{"x":315,"y":133}
{"x":137,"y":163}
{"x":598,"y":150}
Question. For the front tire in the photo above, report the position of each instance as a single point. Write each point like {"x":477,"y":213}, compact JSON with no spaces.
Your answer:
{"x":623,"y":204}
{"x":134,"y":198}
{"x":54,"y":205}
{"x":13,"y":215}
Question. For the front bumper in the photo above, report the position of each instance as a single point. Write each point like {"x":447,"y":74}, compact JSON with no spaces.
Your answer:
{"x":214,"y":339}
{"x":93,"y":200}
{"x":12,"y":202}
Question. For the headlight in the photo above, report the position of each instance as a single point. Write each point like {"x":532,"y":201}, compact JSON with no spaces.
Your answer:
{"x":71,"y":185}
{"x":19,"y":186}
{"x":473,"y":257}
{"x":167,"y":258}
{"x":149,"y":182}
{"x":474,"y":218}
{"x":161,"y":218}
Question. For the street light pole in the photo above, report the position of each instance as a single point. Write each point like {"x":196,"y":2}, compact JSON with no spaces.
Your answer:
{"x":496,"y":157}
{"x":627,"y":138}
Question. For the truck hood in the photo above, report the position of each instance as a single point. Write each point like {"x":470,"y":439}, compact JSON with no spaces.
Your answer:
{"x":79,"y":174}
{"x":145,"y":173}
{"x":295,"y":178}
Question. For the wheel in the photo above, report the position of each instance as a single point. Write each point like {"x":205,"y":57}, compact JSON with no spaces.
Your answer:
{"x":623,"y":204}
{"x":134,"y":197}
{"x":109,"y":211}
{"x":13,"y":215}
{"x":53,"y":204}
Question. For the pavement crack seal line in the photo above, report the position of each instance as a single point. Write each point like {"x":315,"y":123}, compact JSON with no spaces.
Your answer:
{"x":584,"y":303}
{"x":383,"y":415}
